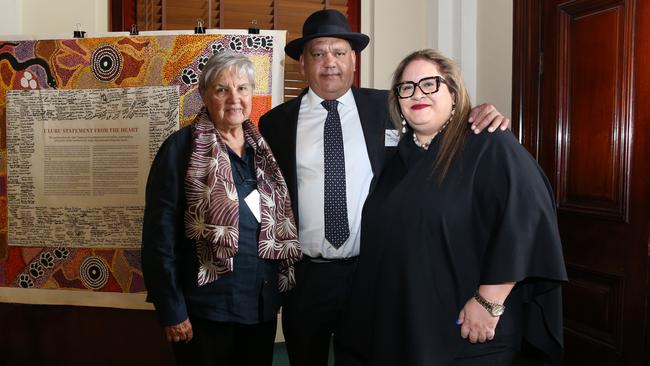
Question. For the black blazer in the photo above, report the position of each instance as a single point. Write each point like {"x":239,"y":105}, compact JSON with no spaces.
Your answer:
{"x":278,"y":126}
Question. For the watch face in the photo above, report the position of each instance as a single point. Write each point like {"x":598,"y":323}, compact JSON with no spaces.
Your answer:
{"x":492,"y":308}
{"x":498,"y":310}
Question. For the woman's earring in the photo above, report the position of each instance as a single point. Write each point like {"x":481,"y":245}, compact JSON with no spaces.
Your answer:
{"x":403,"y":124}
{"x":451,"y":115}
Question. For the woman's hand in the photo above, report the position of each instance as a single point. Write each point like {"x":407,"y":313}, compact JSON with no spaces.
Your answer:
{"x":476,"y":323}
{"x":486,"y":115}
{"x":179,"y":332}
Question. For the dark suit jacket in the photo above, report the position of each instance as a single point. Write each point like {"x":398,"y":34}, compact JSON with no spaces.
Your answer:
{"x":278,"y":126}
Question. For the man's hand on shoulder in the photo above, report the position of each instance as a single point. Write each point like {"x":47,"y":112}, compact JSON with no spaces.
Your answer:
{"x":486,"y":115}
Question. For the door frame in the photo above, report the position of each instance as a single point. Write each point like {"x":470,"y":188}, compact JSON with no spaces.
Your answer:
{"x":526,"y":56}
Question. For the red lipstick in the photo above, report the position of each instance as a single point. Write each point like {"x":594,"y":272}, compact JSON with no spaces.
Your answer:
{"x":419,"y":106}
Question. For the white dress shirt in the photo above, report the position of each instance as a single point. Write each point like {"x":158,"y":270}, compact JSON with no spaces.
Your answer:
{"x":311,"y":181}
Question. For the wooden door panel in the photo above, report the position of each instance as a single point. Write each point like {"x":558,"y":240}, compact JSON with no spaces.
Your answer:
{"x":595,"y":307}
{"x":593,"y":90}
{"x":590,"y":153}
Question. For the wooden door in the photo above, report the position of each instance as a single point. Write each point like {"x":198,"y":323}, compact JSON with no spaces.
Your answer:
{"x":582,"y":107}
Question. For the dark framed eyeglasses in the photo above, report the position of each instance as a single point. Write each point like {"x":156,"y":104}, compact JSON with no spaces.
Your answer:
{"x":428,"y":85}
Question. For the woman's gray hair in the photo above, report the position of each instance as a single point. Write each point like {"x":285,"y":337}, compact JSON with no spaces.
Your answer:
{"x":226,"y":60}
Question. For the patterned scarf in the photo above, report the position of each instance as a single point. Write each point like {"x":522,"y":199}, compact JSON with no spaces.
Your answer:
{"x":212,"y":214}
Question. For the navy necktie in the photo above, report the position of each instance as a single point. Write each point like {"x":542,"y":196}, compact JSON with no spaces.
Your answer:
{"x":336,"y":211}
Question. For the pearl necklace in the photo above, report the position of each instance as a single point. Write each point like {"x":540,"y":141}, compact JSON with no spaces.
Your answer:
{"x":423,"y":146}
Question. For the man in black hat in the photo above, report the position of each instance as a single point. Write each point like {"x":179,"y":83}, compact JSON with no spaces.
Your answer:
{"x":329,"y":143}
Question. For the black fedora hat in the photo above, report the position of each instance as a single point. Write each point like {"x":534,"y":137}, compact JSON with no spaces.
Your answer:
{"x":326,"y":23}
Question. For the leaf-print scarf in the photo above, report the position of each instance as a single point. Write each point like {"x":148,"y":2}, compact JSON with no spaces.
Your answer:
{"x":212,"y":214}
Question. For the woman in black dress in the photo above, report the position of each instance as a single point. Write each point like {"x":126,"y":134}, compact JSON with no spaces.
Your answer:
{"x":461,"y":256}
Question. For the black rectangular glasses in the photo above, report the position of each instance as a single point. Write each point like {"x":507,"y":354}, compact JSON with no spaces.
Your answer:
{"x":428,"y":85}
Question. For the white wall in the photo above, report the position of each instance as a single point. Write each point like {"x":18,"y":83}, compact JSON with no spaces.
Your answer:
{"x":495,"y":54}
{"x":11,"y":18}
{"x":454,"y":34}
{"x":43,"y":18}
{"x":396,"y":28}
{"x":475,"y":33}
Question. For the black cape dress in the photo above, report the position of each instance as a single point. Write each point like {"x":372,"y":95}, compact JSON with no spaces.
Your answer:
{"x":426,"y":246}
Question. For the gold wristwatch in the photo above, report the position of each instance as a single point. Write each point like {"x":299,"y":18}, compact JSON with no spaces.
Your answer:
{"x":493,"y":308}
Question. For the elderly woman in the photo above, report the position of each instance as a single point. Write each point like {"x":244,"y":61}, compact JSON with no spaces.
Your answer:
{"x":219,"y":238}
{"x":462,"y":258}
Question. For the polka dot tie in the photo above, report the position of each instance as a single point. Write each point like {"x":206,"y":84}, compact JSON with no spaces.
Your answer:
{"x":336,"y":210}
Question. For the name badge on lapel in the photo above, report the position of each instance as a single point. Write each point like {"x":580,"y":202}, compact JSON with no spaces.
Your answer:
{"x":253,"y":202}
{"x":391,"y":138}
